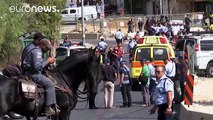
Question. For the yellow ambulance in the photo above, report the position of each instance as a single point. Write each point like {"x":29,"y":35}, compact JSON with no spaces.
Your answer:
{"x":157,"y":47}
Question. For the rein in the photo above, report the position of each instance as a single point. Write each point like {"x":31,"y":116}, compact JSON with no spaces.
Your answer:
{"x":67,"y":88}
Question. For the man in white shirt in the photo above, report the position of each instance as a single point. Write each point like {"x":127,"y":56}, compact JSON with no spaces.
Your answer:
{"x":152,"y":79}
{"x":132,"y":43}
{"x":119,"y":36}
{"x":170,"y":68}
{"x":102,"y":47}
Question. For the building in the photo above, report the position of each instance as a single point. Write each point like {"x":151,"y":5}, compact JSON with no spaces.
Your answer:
{"x":155,"y":7}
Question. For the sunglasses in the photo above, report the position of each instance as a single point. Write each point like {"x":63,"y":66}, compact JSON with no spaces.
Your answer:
{"x":158,"y":72}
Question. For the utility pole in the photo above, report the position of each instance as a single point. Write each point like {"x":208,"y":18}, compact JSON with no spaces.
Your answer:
{"x":161,"y":7}
{"x":82,"y":21}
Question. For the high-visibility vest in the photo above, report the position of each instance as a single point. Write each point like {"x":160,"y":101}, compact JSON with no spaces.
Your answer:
{"x":211,"y":27}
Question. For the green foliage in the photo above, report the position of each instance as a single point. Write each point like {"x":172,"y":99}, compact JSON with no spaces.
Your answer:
{"x":14,"y":24}
{"x":48,"y":22}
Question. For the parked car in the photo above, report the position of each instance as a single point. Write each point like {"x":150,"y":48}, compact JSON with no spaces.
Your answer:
{"x":62,"y":51}
{"x":204,"y":55}
{"x":203,"y":52}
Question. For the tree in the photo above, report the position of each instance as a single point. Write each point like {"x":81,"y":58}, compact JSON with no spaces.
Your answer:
{"x":48,"y":22}
{"x":12,"y":25}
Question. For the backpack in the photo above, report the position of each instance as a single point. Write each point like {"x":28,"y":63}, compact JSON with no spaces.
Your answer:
{"x":12,"y":70}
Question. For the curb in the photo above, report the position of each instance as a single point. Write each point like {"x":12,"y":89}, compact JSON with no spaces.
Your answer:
{"x":186,"y":114}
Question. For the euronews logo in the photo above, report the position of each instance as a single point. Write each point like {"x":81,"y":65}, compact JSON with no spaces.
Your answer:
{"x":33,"y":9}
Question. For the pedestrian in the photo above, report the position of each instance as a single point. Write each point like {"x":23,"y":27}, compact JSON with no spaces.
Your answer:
{"x":170,"y":68}
{"x":100,"y":8}
{"x":119,"y":51}
{"x":119,"y":36}
{"x":32,"y":63}
{"x":187,"y":23}
{"x":130,"y":26}
{"x":113,"y":57}
{"x":163,"y":95}
{"x":110,"y":75}
{"x":67,"y":42}
{"x":182,"y":69}
{"x":145,"y":81}
{"x":125,"y":85}
{"x":102,"y":47}
{"x":140,"y":25}
{"x":131,"y":45}
{"x":152,"y":79}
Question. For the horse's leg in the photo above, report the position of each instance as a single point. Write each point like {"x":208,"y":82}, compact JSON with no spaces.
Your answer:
{"x":92,"y":101}
{"x":64,"y":114}
{"x":28,"y":118}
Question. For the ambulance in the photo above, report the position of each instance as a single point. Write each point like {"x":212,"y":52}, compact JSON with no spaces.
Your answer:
{"x":157,"y":47}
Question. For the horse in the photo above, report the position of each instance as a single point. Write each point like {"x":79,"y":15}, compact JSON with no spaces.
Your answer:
{"x":80,"y":66}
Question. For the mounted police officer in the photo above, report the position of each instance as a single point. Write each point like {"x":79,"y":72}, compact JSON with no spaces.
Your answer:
{"x":33,"y":64}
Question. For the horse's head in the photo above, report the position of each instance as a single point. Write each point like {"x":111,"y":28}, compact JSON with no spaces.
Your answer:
{"x":82,"y":65}
{"x":94,"y":74}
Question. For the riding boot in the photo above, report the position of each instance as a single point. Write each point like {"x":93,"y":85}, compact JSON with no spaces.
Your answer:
{"x":49,"y":111}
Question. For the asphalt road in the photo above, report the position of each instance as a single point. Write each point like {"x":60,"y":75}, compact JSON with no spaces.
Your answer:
{"x":136,"y":112}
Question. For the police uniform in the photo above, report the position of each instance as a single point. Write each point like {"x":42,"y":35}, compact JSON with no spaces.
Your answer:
{"x":102,"y":46}
{"x":126,"y":86}
{"x":164,"y":85}
{"x":32,"y":64}
{"x":170,"y":70}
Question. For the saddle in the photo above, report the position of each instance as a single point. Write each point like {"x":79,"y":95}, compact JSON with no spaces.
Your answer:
{"x":29,"y":89}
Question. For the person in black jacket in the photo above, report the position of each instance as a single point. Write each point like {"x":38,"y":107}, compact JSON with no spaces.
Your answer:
{"x":110,"y":75}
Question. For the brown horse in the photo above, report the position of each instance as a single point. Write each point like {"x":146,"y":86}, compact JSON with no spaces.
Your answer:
{"x":81,"y":66}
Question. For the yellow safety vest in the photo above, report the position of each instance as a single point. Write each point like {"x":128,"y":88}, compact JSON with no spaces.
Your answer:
{"x":211,"y":27}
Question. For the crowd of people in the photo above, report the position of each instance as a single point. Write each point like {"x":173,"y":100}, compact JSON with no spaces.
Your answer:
{"x":162,"y":86}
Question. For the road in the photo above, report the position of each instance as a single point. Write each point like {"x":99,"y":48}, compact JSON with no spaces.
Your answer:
{"x":136,"y":112}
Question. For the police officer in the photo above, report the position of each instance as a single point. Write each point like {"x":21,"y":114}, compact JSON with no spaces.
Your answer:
{"x":170,"y":68}
{"x":163,"y":95}
{"x":125,"y":85}
{"x":102,"y":47}
{"x":33,"y":64}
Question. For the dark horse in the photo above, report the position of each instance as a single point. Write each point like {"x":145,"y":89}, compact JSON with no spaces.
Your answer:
{"x":80,"y":66}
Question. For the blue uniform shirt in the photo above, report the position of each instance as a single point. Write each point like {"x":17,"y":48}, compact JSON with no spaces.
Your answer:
{"x":170,"y":69}
{"x":32,"y":59}
{"x":164,"y":85}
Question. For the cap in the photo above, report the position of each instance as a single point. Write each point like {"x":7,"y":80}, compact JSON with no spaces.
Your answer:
{"x":47,"y":43}
{"x":123,"y":61}
{"x":102,"y":38}
{"x":38,"y":36}
{"x":143,"y":60}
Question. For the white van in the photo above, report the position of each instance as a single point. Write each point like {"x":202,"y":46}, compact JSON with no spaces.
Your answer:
{"x":204,"y":54}
{"x":73,"y":14}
